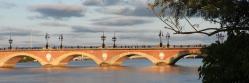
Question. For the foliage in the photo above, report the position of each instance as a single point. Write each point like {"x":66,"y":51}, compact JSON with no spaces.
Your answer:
{"x":231,"y":15}
{"x":227,"y":62}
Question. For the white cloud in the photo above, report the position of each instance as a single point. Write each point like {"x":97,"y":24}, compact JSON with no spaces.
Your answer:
{"x":58,"y":11}
{"x":120,"y":21}
{"x":122,"y":7}
{"x":102,"y":2}
{"x":92,"y":2}
{"x":5,"y":31}
{"x":6,"y":5}
{"x":54,"y":24}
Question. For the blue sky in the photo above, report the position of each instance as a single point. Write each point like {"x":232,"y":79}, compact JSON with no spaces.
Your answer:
{"x":83,"y":21}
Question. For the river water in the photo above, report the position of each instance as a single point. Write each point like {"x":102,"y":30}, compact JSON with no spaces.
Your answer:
{"x":132,"y":71}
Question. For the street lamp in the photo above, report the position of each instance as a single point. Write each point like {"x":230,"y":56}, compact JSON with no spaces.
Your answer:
{"x":220,"y":37}
{"x":160,"y":36}
{"x":114,"y":39}
{"x":10,"y":42}
{"x":61,"y":40}
{"x":167,"y":37}
{"x":47,"y":37}
{"x":103,"y":37}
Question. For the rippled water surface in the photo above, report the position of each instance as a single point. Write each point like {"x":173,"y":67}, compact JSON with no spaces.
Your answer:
{"x":132,"y":71}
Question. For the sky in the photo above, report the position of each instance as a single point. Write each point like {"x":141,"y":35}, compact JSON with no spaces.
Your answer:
{"x":82,"y":22}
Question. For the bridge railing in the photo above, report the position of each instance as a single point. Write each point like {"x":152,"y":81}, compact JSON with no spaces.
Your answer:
{"x":156,"y":46}
{"x":188,"y":46}
{"x":108,"y":47}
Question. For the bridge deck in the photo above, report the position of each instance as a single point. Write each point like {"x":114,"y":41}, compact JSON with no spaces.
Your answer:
{"x":143,"y":47}
{"x":102,"y":56}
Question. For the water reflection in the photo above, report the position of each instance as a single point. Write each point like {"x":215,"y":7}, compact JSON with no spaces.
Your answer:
{"x":134,"y":71}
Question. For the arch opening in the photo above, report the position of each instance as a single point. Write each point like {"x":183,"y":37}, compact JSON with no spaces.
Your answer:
{"x":77,"y":59}
{"x":133,"y":59}
{"x":185,"y":59}
{"x":22,"y":60}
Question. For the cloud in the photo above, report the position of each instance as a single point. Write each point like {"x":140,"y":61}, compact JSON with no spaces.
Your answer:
{"x":34,"y":41}
{"x":153,"y":39}
{"x":124,"y":7}
{"x":54,"y":24}
{"x":92,"y":2}
{"x":120,"y":21}
{"x":58,"y":11}
{"x":2,"y":38}
{"x":102,"y":2}
{"x":127,"y":11}
{"x":146,"y":37}
{"x":78,"y":29}
{"x":193,"y":38}
{"x":112,"y":2}
{"x":17,"y":32}
{"x":140,"y":11}
{"x":97,"y":29}
{"x":116,"y":9}
{"x":6,"y":5}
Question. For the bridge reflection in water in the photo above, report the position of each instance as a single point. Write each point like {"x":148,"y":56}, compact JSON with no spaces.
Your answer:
{"x":132,"y":71}
{"x":54,"y":57}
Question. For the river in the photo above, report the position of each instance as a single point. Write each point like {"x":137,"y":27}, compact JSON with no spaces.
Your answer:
{"x":132,"y":71}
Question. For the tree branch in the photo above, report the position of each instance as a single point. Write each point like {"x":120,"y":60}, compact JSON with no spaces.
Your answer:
{"x":190,"y":24}
{"x":216,"y":30}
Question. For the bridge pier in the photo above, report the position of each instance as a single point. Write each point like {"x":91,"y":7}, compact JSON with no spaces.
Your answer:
{"x":161,"y":64}
{"x":48,"y":65}
{"x":8,"y":66}
{"x":104,"y":64}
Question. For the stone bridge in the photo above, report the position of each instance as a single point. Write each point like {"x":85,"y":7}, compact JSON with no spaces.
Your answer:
{"x":101,"y":56}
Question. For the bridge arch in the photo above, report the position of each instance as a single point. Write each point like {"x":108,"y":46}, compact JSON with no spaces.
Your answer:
{"x":179,"y":56}
{"x":64,"y":59}
{"x":119,"y":59}
{"x":12,"y":59}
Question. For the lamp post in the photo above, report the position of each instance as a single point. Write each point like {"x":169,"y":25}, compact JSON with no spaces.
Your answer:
{"x":10,"y":42}
{"x":220,"y":37}
{"x":47,"y":37}
{"x":160,"y":36}
{"x":103,"y":37}
{"x":167,"y":37}
{"x":114,"y":39}
{"x":61,"y":40}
